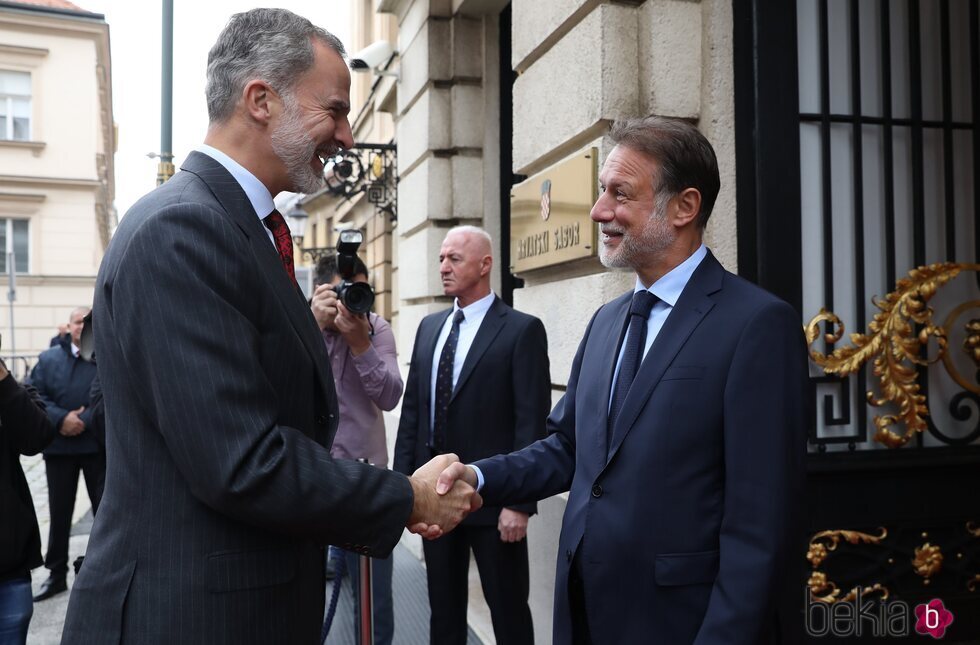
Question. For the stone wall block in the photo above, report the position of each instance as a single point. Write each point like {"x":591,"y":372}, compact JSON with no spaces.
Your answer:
{"x":670,"y":58}
{"x":411,"y":22}
{"x":425,"y":193}
{"x":467,"y":116}
{"x":589,"y":75}
{"x":424,"y":60}
{"x":424,"y":127}
{"x":418,"y":274}
{"x":467,"y":58}
{"x":467,"y":188}
{"x":567,"y":309}
{"x":534,"y":22}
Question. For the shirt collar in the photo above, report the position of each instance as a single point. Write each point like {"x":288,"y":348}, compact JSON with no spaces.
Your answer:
{"x":478,"y":308}
{"x":669,"y":287}
{"x":255,"y":190}
{"x":75,"y":350}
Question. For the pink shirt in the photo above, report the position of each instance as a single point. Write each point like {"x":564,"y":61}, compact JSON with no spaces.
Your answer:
{"x":366,"y":385}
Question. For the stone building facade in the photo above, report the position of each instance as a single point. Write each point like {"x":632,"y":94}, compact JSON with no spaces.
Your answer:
{"x":56,"y":163}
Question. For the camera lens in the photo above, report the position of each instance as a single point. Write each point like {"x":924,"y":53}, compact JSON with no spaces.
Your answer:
{"x":358,"y":297}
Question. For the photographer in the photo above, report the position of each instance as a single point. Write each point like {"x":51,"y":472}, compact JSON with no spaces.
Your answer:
{"x":365,"y":370}
{"x":24,"y":430}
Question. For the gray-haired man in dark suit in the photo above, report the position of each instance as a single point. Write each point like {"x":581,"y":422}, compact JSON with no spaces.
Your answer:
{"x":220,"y":403}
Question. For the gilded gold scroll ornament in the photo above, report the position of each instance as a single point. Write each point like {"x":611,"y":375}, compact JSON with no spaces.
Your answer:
{"x":821,"y":544}
{"x":896,"y":349}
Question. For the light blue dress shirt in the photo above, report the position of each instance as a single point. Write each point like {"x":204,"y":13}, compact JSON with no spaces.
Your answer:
{"x":255,"y":190}
{"x":667,"y":289}
{"x":473,"y":315}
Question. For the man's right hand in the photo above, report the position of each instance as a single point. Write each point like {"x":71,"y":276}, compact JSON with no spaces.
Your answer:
{"x":437,"y":513}
{"x":72,"y":425}
{"x":324,"y":305}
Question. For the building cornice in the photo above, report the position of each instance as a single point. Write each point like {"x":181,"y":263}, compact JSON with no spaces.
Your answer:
{"x":34,"y":198}
{"x":39,"y":52}
{"x":60,"y":182}
{"x":33,"y":9}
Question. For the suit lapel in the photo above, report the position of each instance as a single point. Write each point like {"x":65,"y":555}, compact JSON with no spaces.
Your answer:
{"x":234,"y":201}
{"x":612,"y":338}
{"x":492,"y":323}
{"x":691,"y":308}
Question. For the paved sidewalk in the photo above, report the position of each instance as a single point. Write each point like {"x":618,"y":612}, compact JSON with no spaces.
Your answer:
{"x":49,"y":615}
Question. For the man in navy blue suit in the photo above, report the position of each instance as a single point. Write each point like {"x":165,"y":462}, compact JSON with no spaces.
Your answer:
{"x":681,"y":435}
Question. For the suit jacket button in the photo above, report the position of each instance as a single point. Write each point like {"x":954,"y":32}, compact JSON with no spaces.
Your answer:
{"x":568,"y":555}
{"x":597,"y":491}
{"x":321,"y":420}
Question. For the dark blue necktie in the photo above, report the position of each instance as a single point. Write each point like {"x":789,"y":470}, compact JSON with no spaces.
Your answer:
{"x":444,"y":386}
{"x":643,"y":302}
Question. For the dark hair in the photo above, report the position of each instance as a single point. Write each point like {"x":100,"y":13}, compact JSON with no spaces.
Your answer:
{"x":326,"y":269}
{"x":274,"y":45}
{"x":685,"y":156}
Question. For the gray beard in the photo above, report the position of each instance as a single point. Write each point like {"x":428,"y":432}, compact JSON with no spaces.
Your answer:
{"x":654,"y":240}
{"x":295,"y":148}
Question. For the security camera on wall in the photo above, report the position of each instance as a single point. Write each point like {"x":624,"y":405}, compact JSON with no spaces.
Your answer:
{"x":373,"y":57}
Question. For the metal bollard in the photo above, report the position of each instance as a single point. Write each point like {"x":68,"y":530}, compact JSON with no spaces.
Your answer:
{"x":366,"y":617}
{"x":366,"y":598}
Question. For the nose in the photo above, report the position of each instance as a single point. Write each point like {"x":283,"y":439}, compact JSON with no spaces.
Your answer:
{"x":343,"y":134}
{"x":601,"y":211}
{"x":444,"y":266}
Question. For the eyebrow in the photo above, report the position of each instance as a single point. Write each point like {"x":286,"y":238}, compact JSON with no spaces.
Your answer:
{"x":339,"y":105}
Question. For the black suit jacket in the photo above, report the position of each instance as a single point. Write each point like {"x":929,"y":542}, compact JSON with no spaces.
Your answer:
{"x":500,"y":401}
{"x":220,"y":408}
{"x":686,"y":522}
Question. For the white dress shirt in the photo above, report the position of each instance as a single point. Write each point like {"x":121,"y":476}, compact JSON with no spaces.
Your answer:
{"x":255,"y":190}
{"x":667,"y":289}
{"x":474,"y":313}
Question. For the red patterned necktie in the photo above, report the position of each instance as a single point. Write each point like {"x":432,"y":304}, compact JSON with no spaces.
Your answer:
{"x":284,"y":243}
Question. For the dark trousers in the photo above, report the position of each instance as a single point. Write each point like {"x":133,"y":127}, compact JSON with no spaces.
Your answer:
{"x":62,"y":473}
{"x":503,"y":575}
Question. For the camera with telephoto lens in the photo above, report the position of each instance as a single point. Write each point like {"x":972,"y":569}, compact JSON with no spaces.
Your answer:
{"x":358,"y":297}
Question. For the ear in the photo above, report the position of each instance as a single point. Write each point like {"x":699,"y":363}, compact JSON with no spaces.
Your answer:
{"x":685,"y":207}
{"x":257,"y":98}
{"x":485,"y":265}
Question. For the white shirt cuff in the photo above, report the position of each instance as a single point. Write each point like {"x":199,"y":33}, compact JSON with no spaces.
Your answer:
{"x":479,"y":477}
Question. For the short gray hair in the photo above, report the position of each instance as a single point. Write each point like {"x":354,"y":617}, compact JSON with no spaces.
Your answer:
{"x":685,"y":156}
{"x":274,"y":45}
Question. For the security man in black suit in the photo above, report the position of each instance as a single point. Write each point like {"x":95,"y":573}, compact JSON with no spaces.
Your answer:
{"x":478,"y":386}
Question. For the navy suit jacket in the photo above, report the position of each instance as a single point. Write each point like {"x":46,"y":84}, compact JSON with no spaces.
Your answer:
{"x":220,"y":409}
{"x":499,"y":403}
{"x":685,"y":522}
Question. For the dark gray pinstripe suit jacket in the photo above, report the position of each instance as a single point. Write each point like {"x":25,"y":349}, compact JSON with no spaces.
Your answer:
{"x":220,"y":407}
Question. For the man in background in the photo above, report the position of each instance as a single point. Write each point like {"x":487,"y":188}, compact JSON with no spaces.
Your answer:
{"x":64,"y":379}
{"x":365,"y":370}
{"x":478,"y":386}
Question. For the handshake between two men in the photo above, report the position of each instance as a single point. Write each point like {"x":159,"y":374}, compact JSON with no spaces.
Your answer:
{"x":445,"y":493}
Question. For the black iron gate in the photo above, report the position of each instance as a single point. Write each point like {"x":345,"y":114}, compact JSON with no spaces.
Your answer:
{"x":858,"y":155}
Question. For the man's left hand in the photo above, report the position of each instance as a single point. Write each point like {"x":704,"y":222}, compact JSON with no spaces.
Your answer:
{"x":512,"y":525}
{"x":354,"y":328}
